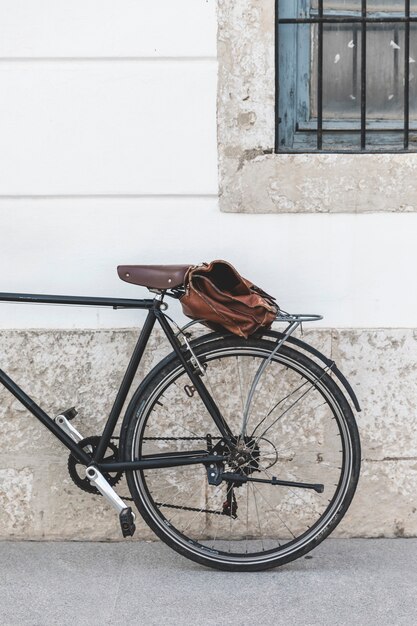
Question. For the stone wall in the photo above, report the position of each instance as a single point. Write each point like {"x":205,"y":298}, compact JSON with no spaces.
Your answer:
{"x":252,"y":179}
{"x":58,"y":369}
{"x":63,"y":368}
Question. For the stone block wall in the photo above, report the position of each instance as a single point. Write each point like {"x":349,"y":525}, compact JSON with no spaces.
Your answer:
{"x":252,"y":178}
{"x":59,"y":369}
{"x":63,"y":368}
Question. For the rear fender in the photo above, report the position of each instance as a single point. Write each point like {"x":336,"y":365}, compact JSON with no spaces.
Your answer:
{"x":303,"y":346}
{"x":321,"y":357}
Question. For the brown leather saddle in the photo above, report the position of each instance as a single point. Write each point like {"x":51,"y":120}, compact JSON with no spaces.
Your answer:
{"x":154,"y":276}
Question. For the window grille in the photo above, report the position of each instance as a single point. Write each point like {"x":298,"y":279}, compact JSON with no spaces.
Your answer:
{"x":344,"y":75}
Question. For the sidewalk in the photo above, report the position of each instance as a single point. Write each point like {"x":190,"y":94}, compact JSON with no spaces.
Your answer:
{"x":353,"y":582}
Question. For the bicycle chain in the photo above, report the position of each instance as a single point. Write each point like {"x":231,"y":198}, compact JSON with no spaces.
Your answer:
{"x":178,"y":438}
{"x":85,"y":485}
{"x":188,"y":508}
{"x":183,"y":508}
{"x":175,"y":506}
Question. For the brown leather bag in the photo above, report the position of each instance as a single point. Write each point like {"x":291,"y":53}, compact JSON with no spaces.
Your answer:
{"x":219,"y":295}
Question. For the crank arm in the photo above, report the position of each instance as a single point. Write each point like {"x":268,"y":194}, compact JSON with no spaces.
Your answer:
{"x":68,"y":428}
{"x":97,"y":479}
{"x":238,"y":478}
{"x":126,"y":515}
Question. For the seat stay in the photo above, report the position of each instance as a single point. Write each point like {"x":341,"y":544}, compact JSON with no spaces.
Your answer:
{"x":196,"y":380}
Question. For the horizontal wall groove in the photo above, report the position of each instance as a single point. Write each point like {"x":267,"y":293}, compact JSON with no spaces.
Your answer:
{"x":104,"y":196}
{"x":112,"y":59}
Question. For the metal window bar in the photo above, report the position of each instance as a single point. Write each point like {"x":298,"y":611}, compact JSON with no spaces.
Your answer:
{"x":320,"y":79}
{"x":407,"y":76}
{"x":363,"y":76}
{"x":277,"y":114}
{"x":396,"y":63}
{"x":355,"y":62}
{"x":363,"y":20}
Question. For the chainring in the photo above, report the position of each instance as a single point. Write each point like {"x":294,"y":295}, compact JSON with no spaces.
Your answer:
{"x":77,"y":470}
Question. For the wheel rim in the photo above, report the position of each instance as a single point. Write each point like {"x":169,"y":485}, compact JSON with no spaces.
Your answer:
{"x":271,"y":521}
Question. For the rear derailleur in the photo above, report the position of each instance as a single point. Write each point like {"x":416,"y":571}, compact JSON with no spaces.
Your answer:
{"x":242,"y":456}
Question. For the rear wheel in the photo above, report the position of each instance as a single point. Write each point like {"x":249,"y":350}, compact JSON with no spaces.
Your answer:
{"x":300,"y":430}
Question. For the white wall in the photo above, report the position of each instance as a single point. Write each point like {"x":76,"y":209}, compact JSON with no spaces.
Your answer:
{"x":108,"y":155}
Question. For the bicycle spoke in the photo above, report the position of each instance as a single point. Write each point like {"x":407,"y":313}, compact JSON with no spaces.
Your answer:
{"x":271,"y":508}
{"x":195,"y":492}
{"x":297,"y":495}
{"x":230,"y":494}
{"x":296,"y":439}
{"x":313,"y":386}
{"x":257,"y":514}
{"x":190,"y":432}
{"x":270,"y":411}
{"x":239,"y":376}
{"x":199,"y":512}
{"x":247,"y":519}
{"x":217,"y":531}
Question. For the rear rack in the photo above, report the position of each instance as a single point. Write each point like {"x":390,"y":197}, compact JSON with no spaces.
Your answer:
{"x":283,"y":316}
{"x":292,"y":319}
{"x":293,"y":322}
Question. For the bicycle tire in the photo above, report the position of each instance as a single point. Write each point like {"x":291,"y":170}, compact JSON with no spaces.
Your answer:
{"x":144,"y":418}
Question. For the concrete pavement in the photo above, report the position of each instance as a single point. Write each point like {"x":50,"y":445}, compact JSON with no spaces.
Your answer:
{"x":351,"y":581}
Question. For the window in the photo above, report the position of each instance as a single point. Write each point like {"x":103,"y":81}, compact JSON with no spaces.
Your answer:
{"x":346,"y":75}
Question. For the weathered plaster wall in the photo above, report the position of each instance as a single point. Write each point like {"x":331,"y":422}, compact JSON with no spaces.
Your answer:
{"x":39,"y":501}
{"x":70,"y":217}
{"x":252,"y":179}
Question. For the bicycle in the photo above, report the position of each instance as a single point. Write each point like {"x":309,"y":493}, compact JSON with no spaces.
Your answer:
{"x":240,"y":454}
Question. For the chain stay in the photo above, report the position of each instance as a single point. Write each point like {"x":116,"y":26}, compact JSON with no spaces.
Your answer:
{"x":174,"y":506}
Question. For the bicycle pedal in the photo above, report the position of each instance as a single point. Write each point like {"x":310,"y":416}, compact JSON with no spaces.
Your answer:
{"x":70,"y":414}
{"x":127,"y":522}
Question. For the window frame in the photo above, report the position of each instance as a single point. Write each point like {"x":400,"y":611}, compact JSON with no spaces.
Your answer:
{"x":293,"y":79}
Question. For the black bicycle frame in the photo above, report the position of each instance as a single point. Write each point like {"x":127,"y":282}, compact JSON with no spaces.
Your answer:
{"x":155,"y":313}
